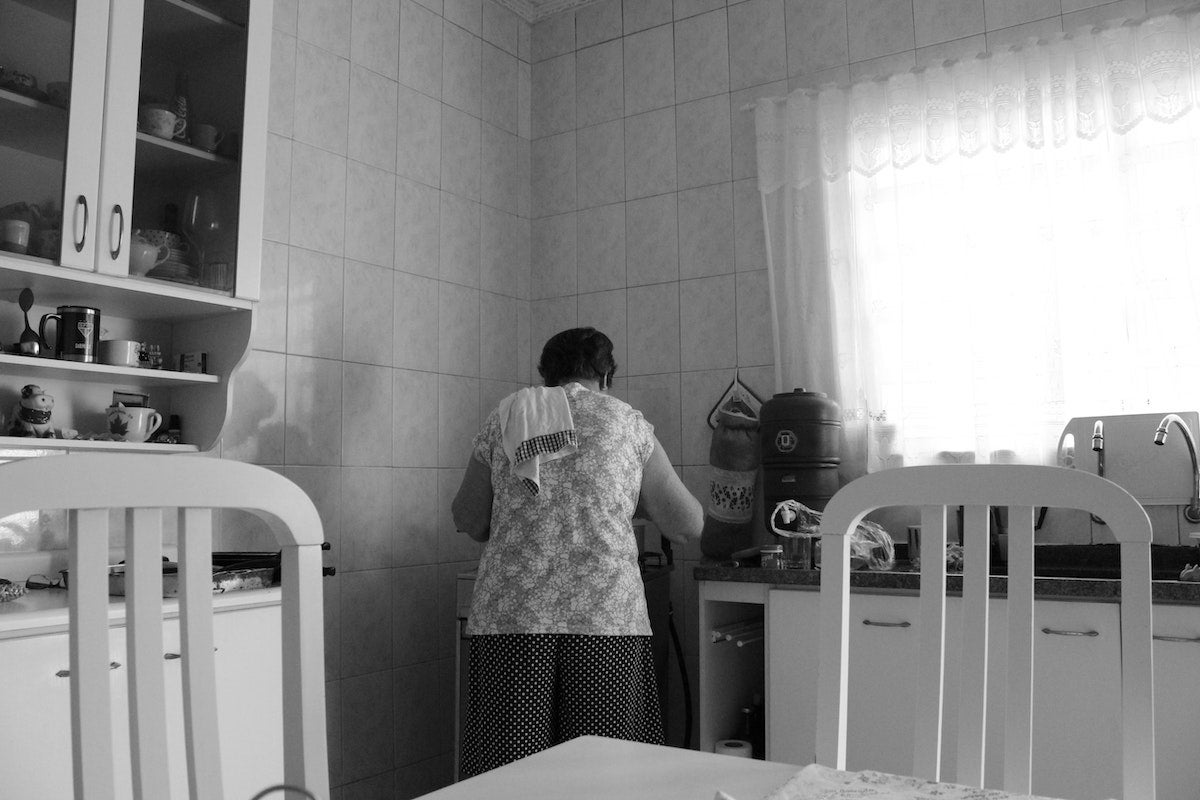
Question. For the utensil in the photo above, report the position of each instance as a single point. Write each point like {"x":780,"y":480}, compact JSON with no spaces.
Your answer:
{"x":30,"y":343}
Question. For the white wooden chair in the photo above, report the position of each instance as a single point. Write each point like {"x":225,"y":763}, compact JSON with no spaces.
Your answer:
{"x":976,"y":488}
{"x":87,"y":486}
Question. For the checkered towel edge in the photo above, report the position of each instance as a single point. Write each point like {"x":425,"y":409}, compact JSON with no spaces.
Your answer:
{"x":548,"y":443}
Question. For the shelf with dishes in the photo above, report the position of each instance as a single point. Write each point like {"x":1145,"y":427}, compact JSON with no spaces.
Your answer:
{"x":48,"y":368}
{"x":24,"y":446}
{"x":32,"y":125}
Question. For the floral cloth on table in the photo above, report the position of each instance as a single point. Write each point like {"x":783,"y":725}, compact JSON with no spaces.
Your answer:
{"x":564,"y":560}
{"x":816,"y":782}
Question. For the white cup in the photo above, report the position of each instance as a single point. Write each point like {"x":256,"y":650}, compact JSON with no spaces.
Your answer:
{"x":120,"y":352}
{"x":14,"y":235}
{"x":132,"y":424}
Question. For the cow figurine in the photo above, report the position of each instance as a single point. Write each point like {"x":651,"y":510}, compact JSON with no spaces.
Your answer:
{"x":31,"y":414}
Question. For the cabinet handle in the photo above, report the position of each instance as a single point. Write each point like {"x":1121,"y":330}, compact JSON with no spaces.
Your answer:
{"x":903,"y":624}
{"x":81,"y":200}
{"x":1161,"y":637}
{"x":66,"y":673}
{"x":1053,"y":632}
{"x":120,"y":214}
{"x":171,"y":656}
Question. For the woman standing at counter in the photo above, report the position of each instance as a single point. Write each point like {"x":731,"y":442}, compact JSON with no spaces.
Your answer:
{"x":560,"y":642}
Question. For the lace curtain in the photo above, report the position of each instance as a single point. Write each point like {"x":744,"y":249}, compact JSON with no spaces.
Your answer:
{"x":966,"y":256}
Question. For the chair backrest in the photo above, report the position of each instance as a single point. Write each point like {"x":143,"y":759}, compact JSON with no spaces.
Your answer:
{"x":147,"y":486}
{"x":977,"y":488}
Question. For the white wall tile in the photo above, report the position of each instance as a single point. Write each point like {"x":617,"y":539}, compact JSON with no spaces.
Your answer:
{"x":420,"y":48}
{"x":690,"y":8}
{"x":706,"y":231}
{"x":372,"y":137}
{"x":375,"y":36}
{"x":653,"y":329}
{"x":415,"y":436}
{"x":598,"y":22}
{"x":1108,"y":14}
{"x":500,"y":252}
{"x":1007,"y":13}
{"x":281,"y":103}
{"x":606,"y":312}
{"x":553,"y":82}
{"x":497,"y":336}
{"x":418,"y":228}
{"x":277,"y":212}
{"x":547,"y":317}
{"x":458,"y":330}
{"x":708,"y":323}
{"x":880,"y":28}
{"x":701,"y":56}
{"x":500,"y":26}
{"x":703,"y":144}
{"x":367,"y":419}
{"x":367,"y":324}
{"x":255,"y":433}
{"x":650,"y":153}
{"x":326,"y":24}
{"x":370,"y":214}
{"x":527,"y":177}
{"x":817,"y":35}
{"x":318,"y":200}
{"x":314,"y":304}
{"x":757,"y":43}
{"x":322,"y":92}
{"x":554,"y":256}
{"x":553,"y":177}
{"x":699,"y":391}
{"x":652,"y":240}
{"x":935,"y":54}
{"x":461,"y":148}
{"x":600,"y":155}
{"x":459,"y":418}
{"x":524,"y":100}
{"x":754,"y":342}
{"x":499,"y":170}
{"x":436,"y":6}
{"x":285,"y":17}
{"x":313,"y":411}
{"x":499,"y":88}
{"x":749,"y":248}
{"x":1019,"y":34}
{"x":657,"y":397}
{"x":883,"y":66}
{"x":270,"y":315}
{"x":649,"y":59}
{"x":601,"y":236}
{"x":415,"y":322}
{"x":552,"y":37}
{"x":600,"y":93}
{"x":418,"y":136}
{"x":466,"y":14}
{"x":943,"y":20}
{"x":459,"y":252}
{"x":461,"y":69}
{"x":646,"y":14}
{"x":414,"y":503}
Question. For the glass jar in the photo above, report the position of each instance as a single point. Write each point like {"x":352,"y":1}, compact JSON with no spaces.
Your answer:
{"x":771,"y":556}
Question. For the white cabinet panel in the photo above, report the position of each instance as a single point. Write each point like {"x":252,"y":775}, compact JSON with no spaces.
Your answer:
{"x":1177,"y":700}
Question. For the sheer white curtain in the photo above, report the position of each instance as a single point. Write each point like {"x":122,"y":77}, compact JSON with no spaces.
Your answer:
{"x":966,"y":256}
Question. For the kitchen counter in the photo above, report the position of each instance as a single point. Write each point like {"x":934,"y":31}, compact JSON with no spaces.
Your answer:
{"x":1089,"y":589}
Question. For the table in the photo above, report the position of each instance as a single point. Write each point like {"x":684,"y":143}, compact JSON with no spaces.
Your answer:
{"x":596,"y":768}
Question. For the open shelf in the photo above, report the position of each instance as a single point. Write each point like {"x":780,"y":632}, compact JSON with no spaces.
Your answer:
{"x":101,"y":373}
{"x":17,"y":446}
{"x":32,"y":126}
{"x":175,"y":162}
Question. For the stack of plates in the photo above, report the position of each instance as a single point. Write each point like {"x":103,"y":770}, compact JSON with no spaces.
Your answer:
{"x":176,"y":268}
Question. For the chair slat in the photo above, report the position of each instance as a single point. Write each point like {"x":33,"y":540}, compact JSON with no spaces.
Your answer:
{"x":1018,"y":715}
{"x":1137,"y":695}
{"x":833,"y":677}
{"x":306,"y":751}
{"x":973,"y":678}
{"x":930,"y":679}
{"x":144,"y":645}
{"x":201,"y":730}
{"x":91,"y":698}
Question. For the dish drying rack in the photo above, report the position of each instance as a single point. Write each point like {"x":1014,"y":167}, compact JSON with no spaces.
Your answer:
{"x":743,"y":633}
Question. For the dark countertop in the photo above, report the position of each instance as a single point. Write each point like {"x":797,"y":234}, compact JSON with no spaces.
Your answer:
{"x":1096,"y":590}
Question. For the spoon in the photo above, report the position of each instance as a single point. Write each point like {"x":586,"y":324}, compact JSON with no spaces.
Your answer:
{"x":31,"y":342}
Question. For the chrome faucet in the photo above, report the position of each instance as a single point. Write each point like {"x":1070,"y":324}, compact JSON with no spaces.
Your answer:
{"x":1192,"y":512}
{"x":1098,"y":446}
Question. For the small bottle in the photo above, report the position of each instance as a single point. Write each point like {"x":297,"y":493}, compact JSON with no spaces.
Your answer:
{"x":771,"y":556}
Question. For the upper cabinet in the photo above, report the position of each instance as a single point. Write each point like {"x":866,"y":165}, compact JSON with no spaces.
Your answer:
{"x":132,"y":171}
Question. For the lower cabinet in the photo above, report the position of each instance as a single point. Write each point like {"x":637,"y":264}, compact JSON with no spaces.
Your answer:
{"x":35,"y":744}
{"x":1076,"y":748}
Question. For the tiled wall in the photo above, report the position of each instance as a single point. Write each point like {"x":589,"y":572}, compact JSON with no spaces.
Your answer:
{"x":446,"y":189}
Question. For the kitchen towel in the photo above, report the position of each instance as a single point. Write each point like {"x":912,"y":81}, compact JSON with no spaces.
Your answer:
{"x":536,"y":427}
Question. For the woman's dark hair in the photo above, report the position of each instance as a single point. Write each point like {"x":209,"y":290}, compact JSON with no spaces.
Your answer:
{"x":577,"y":354}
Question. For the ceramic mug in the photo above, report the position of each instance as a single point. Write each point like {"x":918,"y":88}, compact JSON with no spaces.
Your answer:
{"x":78,"y":333}
{"x":120,"y":352}
{"x":132,"y":424}
{"x":14,"y":235}
{"x":207,"y":137}
{"x":159,"y":121}
{"x":144,"y":256}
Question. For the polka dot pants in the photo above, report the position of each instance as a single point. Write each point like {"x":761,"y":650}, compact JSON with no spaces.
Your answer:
{"x":531,"y":691}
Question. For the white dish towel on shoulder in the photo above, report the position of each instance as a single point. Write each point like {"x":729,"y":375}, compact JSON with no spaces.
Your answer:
{"x":536,"y":427}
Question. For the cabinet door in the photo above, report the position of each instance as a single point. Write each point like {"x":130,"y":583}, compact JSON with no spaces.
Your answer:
{"x":1177,"y":700}
{"x":51,"y":108}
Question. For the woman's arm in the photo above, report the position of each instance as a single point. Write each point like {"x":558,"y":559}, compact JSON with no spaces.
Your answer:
{"x":472,"y":506}
{"x":667,"y":502}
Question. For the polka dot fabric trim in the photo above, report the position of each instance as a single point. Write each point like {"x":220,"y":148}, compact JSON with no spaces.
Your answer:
{"x":529,"y":692}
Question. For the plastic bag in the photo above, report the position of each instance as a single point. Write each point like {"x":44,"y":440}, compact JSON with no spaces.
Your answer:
{"x":870,"y":545}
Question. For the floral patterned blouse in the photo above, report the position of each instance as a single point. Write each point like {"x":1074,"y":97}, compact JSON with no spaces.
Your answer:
{"x":565,"y":560}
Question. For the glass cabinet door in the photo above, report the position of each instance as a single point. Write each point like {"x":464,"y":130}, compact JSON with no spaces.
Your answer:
{"x":52,"y":55}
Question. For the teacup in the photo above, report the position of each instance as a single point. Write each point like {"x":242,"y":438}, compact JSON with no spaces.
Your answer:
{"x":144,"y":256}
{"x":159,"y":121}
{"x":120,"y":352}
{"x":14,"y":235}
{"x":172,"y":240}
{"x":132,"y":424}
{"x":207,"y":137}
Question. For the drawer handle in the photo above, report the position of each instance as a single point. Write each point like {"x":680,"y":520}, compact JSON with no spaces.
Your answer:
{"x":904,"y":624}
{"x":119,"y":213}
{"x":176,"y":656}
{"x":66,"y":673}
{"x":1053,"y":632}
{"x":1159,"y":637}
{"x":82,"y":201}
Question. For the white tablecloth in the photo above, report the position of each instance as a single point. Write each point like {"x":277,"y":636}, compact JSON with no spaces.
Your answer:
{"x":816,"y":782}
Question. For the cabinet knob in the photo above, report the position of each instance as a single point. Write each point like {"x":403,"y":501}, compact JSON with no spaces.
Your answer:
{"x":66,"y":673}
{"x":1054,"y":632}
